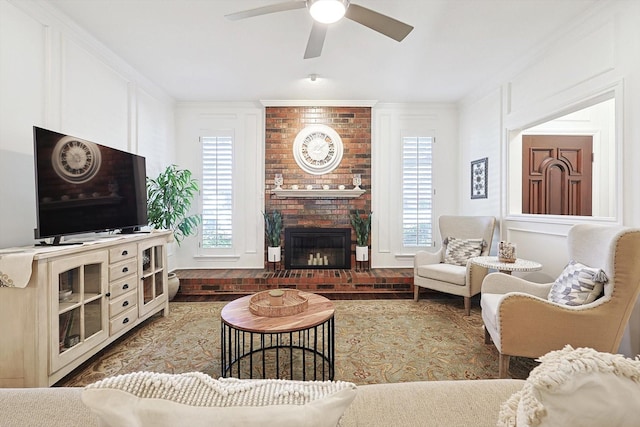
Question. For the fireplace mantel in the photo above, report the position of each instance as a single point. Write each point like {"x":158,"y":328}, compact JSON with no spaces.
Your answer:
{"x":319,"y":194}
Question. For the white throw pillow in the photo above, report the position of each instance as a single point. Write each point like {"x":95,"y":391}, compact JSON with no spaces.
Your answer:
{"x":577,"y":285}
{"x":197,"y":400}
{"x":580,"y":387}
{"x":460,"y":250}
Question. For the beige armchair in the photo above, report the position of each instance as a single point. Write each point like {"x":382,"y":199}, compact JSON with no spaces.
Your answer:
{"x":521,"y":321}
{"x":431,"y":272}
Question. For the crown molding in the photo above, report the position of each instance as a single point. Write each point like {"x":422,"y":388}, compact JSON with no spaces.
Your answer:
{"x":317,"y":103}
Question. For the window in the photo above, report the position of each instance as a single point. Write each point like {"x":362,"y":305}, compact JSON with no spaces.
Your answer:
{"x":217,"y":192}
{"x":417,"y":190}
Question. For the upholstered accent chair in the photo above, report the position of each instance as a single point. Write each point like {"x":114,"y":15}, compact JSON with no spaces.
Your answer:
{"x":522,"y":320}
{"x":434,"y":270}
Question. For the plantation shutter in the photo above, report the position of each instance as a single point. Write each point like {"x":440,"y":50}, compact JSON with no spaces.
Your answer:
{"x":417,"y":191}
{"x":217,"y":192}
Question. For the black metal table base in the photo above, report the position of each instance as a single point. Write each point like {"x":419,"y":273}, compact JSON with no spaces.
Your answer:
{"x":307,"y":354}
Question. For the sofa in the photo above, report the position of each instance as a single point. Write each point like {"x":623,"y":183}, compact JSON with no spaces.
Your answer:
{"x":570,"y":387}
{"x":434,"y":403}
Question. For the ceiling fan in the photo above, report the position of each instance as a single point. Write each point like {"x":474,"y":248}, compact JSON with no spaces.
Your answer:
{"x":325,"y":12}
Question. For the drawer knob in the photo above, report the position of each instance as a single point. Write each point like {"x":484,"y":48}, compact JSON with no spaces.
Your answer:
{"x":125,"y":286}
{"x":126,"y":320}
{"x":108,"y":294}
{"x":125,"y":253}
{"x":126,"y":303}
{"x":124,"y":270}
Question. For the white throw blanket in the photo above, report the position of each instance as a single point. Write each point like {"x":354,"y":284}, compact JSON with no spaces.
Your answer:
{"x":15,"y":268}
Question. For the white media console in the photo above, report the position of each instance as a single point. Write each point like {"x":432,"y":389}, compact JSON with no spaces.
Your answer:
{"x":79,"y":299}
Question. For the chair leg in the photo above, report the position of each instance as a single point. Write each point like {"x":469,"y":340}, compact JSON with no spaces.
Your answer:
{"x":467,"y":306}
{"x":503,"y":366}
{"x":416,"y":292}
{"x":487,"y":336}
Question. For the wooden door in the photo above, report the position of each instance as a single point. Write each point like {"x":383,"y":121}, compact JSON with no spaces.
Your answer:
{"x":556,"y":174}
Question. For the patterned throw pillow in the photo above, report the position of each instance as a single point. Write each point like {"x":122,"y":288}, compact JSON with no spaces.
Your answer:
{"x":577,"y":285}
{"x":574,"y":387}
{"x":460,"y":250}
{"x":197,"y":400}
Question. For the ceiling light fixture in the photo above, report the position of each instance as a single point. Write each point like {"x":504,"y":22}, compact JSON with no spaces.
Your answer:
{"x":313,"y":77}
{"x":327,"y":11}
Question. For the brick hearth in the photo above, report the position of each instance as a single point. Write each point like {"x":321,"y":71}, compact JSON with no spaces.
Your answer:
{"x":199,"y":283}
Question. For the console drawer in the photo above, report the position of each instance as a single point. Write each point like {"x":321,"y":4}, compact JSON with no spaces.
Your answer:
{"x":122,"y":252}
{"x":123,"y":286}
{"x":122,"y":303}
{"x":123,"y":269}
{"x":124,"y":320}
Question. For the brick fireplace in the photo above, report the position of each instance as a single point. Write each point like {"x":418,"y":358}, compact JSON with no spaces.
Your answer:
{"x":353,"y":124}
{"x":282,"y":124}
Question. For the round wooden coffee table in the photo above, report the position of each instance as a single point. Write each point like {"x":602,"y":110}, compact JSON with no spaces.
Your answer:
{"x":300,"y":346}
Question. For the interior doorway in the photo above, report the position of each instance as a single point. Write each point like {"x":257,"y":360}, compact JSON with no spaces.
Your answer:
{"x":557,"y":174}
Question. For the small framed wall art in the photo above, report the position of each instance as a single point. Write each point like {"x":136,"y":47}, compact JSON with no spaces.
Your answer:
{"x":479,"y":178}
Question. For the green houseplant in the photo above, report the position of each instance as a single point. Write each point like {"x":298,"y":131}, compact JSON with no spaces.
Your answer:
{"x":169,"y":198}
{"x":273,"y":230}
{"x":361,"y":224}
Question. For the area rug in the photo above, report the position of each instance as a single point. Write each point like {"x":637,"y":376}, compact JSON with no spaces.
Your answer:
{"x":377,"y":341}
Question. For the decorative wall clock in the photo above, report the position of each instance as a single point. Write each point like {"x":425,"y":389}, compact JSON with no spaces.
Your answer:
{"x":75,"y":160}
{"x":317,"y":149}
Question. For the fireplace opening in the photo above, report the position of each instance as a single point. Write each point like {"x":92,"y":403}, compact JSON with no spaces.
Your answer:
{"x":317,"y":248}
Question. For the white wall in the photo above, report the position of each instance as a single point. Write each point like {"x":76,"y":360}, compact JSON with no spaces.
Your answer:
{"x":55,"y":75}
{"x":597,"y":55}
{"x":481,"y":136}
{"x":245,"y":123}
{"x":389,"y":123}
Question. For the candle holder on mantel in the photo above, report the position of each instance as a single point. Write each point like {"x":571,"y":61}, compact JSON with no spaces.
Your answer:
{"x":357,"y":181}
{"x":278,"y":180}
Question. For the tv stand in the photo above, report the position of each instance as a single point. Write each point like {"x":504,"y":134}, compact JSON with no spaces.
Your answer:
{"x":79,"y":300}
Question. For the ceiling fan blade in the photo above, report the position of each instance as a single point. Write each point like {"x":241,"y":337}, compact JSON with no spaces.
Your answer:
{"x":278,"y":7}
{"x":316,"y":40}
{"x":376,"y":21}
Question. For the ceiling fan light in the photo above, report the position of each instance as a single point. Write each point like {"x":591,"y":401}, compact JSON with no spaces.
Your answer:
{"x":327,"y":11}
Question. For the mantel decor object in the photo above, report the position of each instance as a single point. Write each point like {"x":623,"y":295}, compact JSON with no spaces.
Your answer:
{"x":357,"y":181}
{"x":278,"y":180}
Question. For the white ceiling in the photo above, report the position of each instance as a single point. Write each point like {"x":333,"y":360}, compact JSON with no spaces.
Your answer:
{"x":189,"y":49}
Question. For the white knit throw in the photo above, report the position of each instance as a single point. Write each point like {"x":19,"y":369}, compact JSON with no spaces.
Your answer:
{"x":198,"y":389}
{"x":558,"y":368}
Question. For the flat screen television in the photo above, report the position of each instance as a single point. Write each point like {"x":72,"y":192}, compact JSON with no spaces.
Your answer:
{"x":84,"y":187}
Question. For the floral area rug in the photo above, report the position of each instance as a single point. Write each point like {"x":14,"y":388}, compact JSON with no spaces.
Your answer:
{"x":377,"y":341}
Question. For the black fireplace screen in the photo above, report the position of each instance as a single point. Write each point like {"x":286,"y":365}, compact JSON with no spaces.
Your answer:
{"x":317,"y":248}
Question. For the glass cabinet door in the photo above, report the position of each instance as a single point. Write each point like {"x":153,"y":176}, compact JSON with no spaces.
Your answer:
{"x":153,"y":276}
{"x":79,"y":310}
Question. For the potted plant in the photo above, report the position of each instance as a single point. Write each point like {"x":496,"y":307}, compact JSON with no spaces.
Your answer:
{"x":273,"y":229}
{"x":362,"y":226}
{"x":169,"y":198}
